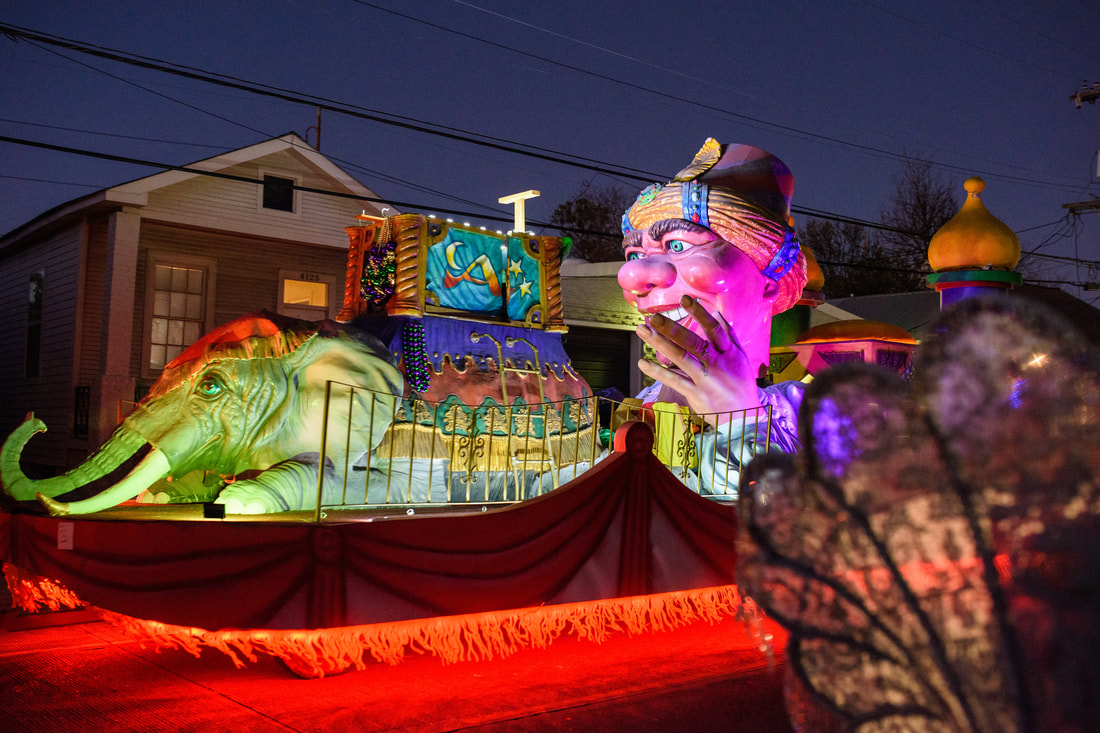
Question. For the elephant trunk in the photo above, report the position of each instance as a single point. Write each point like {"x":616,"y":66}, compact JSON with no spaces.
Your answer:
{"x":112,"y":454}
{"x":152,"y":468}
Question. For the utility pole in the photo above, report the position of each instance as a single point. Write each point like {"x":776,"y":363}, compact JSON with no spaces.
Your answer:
{"x":1086,"y":94}
{"x":1078,"y":207}
{"x":317,"y":129}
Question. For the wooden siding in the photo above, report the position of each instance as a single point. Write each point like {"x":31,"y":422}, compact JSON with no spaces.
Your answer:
{"x":597,"y":300}
{"x":95,"y":273}
{"x":247,"y":277}
{"x":219,"y":222}
{"x":601,"y":356}
{"x":217,"y":203}
{"x":50,"y":395}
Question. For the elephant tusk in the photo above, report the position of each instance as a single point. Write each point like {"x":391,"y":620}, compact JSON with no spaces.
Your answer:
{"x":121,"y":447}
{"x":152,"y":468}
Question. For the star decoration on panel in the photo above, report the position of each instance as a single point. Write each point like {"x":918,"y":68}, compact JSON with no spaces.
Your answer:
{"x":523,"y":278}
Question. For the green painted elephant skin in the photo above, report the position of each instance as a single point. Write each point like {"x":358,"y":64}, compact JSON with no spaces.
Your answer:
{"x":237,"y":418}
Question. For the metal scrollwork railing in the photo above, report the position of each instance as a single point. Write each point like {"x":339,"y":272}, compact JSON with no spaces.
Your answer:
{"x":442,"y":453}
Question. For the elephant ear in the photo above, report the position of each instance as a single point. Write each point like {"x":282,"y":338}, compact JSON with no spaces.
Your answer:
{"x":363,"y":387}
{"x":935,"y":550}
{"x":255,"y":336}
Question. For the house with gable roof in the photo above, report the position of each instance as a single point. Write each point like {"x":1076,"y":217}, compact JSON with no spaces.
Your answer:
{"x":103,"y":291}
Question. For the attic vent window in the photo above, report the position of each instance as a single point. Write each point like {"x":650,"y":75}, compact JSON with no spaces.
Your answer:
{"x":278,"y":193}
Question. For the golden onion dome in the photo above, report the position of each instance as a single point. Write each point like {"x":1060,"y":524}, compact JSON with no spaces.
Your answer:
{"x":856,"y":329}
{"x":974,"y":239}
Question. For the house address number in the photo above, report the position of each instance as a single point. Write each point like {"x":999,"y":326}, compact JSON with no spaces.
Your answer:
{"x":309,"y":277}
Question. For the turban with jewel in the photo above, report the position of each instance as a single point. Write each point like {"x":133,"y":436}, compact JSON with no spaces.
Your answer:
{"x":742,"y":194}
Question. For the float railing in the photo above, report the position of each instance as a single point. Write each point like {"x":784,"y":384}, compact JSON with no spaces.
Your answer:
{"x":425,"y":453}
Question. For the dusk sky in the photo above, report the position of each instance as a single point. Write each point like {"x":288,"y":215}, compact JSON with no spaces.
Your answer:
{"x":839,"y":91}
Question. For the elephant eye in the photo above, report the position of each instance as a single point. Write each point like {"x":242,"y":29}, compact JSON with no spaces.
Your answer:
{"x":210,"y":387}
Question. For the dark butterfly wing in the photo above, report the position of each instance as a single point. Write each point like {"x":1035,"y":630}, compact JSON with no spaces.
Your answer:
{"x":897,"y":547}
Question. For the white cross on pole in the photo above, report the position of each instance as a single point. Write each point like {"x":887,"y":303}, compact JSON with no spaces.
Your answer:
{"x":518,"y":199}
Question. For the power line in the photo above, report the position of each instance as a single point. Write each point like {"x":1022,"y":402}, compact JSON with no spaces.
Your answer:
{"x":404,"y":204}
{"x":148,"y":90}
{"x":35,"y":38}
{"x":230,"y":177}
{"x":379,"y":174}
{"x":806,"y":211}
{"x":46,"y":180}
{"x":352,"y":110}
{"x":401,"y":121}
{"x":572,"y":39}
{"x":391,"y":202}
{"x":113,"y":134}
{"x":451,"y":132}
{"x":399,"y":204}
{"x":701,"y":105}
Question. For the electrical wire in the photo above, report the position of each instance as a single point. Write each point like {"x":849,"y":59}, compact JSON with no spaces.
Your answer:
{"x":457,"y":134}
{"x":405,"y":204}
{"x":877,"y":152}
{"x":210,"y":77}
{"x":385,"y":118}
{"x":352,"y":110}
{"x":114,"y":134}
{"x":242,"y":125}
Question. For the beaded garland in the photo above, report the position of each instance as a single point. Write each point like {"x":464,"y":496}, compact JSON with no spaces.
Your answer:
{"x":379,"y":265}
{"x":418,"y":370}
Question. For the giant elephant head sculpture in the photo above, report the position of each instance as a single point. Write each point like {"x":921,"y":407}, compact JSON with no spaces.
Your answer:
{"x":238,"y":416}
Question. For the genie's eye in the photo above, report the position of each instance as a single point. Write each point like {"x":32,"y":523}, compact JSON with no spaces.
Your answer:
{"x":634,"y":256}
{"x":210,"y":387}
{"x":679,"y":245}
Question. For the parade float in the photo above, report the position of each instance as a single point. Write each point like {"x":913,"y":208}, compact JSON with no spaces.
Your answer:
{"x":396,"y":481}
{"x":931,"y":550}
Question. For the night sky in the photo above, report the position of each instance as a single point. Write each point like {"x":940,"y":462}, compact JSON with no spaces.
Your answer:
{"x":839,"y":91}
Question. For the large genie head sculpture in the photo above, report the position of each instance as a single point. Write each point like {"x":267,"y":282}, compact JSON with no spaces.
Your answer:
{"x":246,"y":403}
{"x":711,"y":256}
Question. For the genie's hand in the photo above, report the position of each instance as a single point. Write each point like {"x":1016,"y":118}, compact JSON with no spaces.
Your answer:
{"x":711,"y":371}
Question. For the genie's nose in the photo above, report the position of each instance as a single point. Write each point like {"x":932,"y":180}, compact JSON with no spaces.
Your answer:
{"x":642,"y":275}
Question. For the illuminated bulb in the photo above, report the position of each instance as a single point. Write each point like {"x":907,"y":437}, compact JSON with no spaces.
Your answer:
{"x":1037,"y":360}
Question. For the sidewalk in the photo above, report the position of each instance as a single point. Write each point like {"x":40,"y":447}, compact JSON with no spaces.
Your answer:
{"x":88,"y":677}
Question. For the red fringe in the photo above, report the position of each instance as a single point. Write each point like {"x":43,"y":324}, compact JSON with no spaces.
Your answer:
{"x":32,"y":593}
{"x":471,"y":637}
